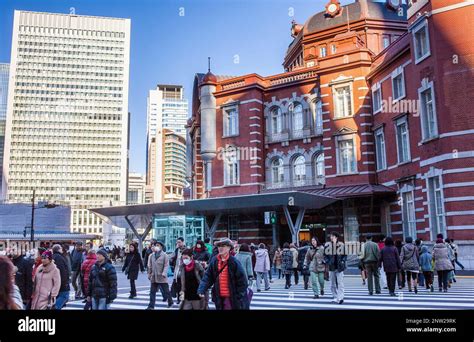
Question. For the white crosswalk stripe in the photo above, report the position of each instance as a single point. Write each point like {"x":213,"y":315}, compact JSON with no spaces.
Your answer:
{"x":459,"y":296}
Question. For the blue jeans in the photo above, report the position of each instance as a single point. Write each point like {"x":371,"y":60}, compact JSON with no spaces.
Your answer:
{"x":100,"y":304}
{"x":61,"y":299}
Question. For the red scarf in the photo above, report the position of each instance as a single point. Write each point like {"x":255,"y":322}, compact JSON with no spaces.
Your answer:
{"x":198,"y":250}
{"x":189,"y":267}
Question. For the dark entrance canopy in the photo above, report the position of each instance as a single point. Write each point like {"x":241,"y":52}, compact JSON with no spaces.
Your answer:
{"x":141,"y":215}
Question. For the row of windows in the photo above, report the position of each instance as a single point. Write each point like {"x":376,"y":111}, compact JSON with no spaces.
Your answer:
{"x":74,"y":32}
{"x":67,"y":86}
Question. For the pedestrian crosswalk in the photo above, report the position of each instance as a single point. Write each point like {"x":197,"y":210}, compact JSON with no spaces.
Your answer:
{"x":459,"y":296}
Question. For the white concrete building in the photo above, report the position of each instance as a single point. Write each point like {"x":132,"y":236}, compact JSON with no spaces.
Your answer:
{"x":136,"y":188}
{"x":167,"y":113}
{"x":67,"y":115}
{"x":4,"y":76}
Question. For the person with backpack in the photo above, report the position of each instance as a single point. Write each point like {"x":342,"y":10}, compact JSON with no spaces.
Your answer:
{"x":227,"y":279}
{"x":132,"y":265}
{"x":409,"y":258}
{"x":102,"y":289}
{"x":314,"y":262}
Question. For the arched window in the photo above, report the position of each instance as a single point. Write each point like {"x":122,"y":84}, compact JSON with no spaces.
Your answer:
{"x":299,"y":171}
{"x":278,"y":175}
{"x":318,"y":169}
{"x":277,"y":120}
{"x":297,"y":116}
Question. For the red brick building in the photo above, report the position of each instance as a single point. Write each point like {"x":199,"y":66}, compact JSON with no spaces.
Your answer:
{"x":372,"y":110}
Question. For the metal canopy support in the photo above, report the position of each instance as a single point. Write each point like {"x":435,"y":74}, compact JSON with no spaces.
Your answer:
{"x":139,"y":237}
{"x":294,"y":227}
{"x":211,"y":231}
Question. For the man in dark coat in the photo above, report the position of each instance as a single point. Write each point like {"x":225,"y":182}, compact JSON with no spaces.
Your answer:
{"x":77,"y":257}
{"x":23,"y":276}
{"x":61,"y":264}
{"x":102,"y":289}
{"x":227,"y":278}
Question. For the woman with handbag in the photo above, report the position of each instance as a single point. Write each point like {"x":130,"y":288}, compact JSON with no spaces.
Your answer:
{"x":47,"y":282}
{"x":133,"y":263}
{"x":191,"y":272}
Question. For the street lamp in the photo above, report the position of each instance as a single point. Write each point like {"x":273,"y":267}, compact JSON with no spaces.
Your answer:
{"x":47,"y":206}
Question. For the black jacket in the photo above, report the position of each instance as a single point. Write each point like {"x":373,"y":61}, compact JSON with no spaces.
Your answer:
{"x":301,"y":256}
{"x":76,"y":260}
{"x":61,"y":264}
{"x":334,"y":256}
{"x":23,"y":276}
{"x":238,"y":284}
{"x":134,"y":263}
{"x":103,"y":281}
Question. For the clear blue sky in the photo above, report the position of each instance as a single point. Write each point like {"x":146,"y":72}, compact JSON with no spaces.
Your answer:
{"x":169,"y":48}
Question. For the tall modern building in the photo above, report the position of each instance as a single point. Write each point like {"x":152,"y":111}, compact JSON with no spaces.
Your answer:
{"x":136,"y":188}
{"x":4,"y":73}
{"x":167,"y":114}
{"x":67,"y":115}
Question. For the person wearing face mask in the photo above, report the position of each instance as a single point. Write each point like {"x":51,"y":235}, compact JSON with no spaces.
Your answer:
{"x":158,"y":264}
{"x":191,"y":274}
{"x":201,"y":254}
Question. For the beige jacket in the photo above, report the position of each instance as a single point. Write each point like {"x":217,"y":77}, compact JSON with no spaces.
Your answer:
{"x":158,"y":268}
{"x":47,"y":282}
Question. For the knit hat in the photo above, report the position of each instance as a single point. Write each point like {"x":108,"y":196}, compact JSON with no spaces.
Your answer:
{"x":47,"y":254}
{"x":103,"y":252}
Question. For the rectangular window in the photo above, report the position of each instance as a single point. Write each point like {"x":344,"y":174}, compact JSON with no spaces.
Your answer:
{"x":398,"y":84}
{"x":231,"y":121}
{"x":436,"y":207}
{"x":231,"y":168}
{"x":322,"y":52}
{"x":380,"y":149}
{"x":408,"y":214}
{"x":385,"y":41}
{"x":377,"y":98}
{"x":403,"y":141}
{"x":346,"y":155}
{"x":333,"y":49}
{"x":421,"y":42}
{"x":343,"y":101}
{"x":428,"y":112}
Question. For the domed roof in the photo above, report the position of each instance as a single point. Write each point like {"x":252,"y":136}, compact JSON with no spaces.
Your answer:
{"x":209,"y":78}
{"x":360,"y":9}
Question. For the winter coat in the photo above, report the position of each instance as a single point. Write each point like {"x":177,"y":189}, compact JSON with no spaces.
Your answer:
{"x":23,"y":276}
{"x":77,"y":257}
{"x":409,"y":258}
{"x":441,"y":257}
{"x":202,"y":256}
{"x":425,"y":260}
{"x":238,"y":284}
{"x":245,"y":258}
{"x":314,"y":259}
{"x":287,"y":261}
{"x":295,"y":257}
{"x":47,"y":283}
{"x":67,"y":256}
{"x":61,"y":263}
{"x":301,"y":256}
{"x":86,"y":269}
{"x":334,"y":257}
{"x":262,"y":263}
{"x":146,"y":254}
{"x":371,"y":252}
{"x":390,"y":259}
{"x":277,"y":259}
{"x":158,"y":268}
{"x":186,"y":288}
{"x":133,"y":263}
{"x":103,"y":281}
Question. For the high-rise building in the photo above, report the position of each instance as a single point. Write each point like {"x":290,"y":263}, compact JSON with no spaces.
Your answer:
{"x":67,"y":115}
{"x":136,"y":188}
{"x":4,"y":72}
{"x":166,"y":121}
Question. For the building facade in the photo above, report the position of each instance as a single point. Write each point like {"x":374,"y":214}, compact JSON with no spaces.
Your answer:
{"x":166,"y":130}
{"x":4,"y":77}
{"x":67,"y":117}
{"x":136,"y":188}
{"x":319,"y":127}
